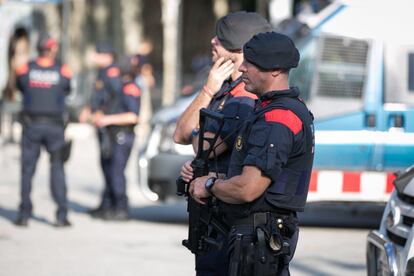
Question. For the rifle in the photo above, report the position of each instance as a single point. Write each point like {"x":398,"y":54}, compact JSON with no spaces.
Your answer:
{"x":202,"y":218}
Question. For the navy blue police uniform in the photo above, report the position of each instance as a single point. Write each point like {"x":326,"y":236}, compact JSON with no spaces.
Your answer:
{"x":44,"y":84}
{"x":108,"y":85}
{"x":236,"y":104}
{"x":278,"y":139}
{"x":121,"y":139}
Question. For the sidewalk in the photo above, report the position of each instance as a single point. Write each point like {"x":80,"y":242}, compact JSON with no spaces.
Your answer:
{"x":148,"y":244}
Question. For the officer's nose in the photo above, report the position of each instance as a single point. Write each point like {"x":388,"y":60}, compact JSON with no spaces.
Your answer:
{"x":214,"y":41}
{"x":242,"y":67}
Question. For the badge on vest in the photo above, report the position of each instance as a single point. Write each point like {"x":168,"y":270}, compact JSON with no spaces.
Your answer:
{"x":239,"y":143}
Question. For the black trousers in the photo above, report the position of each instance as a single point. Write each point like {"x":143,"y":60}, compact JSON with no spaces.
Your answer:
{"x":113,"y":164}
{"x":214,"y":262}
{"x":51,"y":136}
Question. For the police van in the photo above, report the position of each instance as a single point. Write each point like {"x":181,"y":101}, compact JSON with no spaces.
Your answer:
{"x":357,"y":71}
{"x":357,"y":77}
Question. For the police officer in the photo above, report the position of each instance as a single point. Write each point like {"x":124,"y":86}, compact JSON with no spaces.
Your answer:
{"x":44,"y":84}
{"x":223,"y":92}
{"x":270,"y":167}
{"x":107,"y":87}
{"x":119,"y":118}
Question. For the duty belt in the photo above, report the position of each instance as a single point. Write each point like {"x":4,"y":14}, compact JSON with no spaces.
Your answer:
{"x":258,"y":218}
{"x":33,"y":118}
{"x":116,"y":129}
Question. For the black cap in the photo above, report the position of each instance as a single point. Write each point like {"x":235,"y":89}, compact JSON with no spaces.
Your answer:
{"x":271,"y":51}
{"x":235,"y":29}
{"x":46,"y":42}
{"x":104,"y":48}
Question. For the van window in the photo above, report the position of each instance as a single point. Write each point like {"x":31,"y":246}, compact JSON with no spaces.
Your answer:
{"x":341,"y":70}
{"x":336,"y":73}
{"x":411,"y":72}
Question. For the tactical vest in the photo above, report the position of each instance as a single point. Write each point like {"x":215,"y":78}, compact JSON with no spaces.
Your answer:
{"x":223,"y":97}
{"x":44,"y":92}
{"x":288,"y":191}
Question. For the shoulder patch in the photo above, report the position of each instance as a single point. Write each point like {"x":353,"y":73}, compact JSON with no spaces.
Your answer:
{"x":113,"y":72}
{"x":285,"y":117}
{"x":132,"y":90}
{"x":22,"y":69}
{"x":239,"y":91}
{"x":65,"y":71}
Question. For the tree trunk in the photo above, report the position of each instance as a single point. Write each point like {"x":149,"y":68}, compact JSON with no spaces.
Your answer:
{"x":131,"y":25}
{"x":172,"y":50}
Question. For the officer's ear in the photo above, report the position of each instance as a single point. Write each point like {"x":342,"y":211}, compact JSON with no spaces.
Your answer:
{"x":276,"y":72}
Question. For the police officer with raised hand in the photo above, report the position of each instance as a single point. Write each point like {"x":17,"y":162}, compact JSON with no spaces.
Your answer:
{"x":223,"y":92}
{"x":44,"y":84}
{"x":107,"y":88}
{"x":120,"y":118}
{"x":271,"y":163}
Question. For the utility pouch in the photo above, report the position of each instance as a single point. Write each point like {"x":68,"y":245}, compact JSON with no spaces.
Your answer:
{"x":242,"y":254}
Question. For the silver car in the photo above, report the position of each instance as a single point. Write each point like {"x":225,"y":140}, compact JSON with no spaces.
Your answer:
{"x":390,"y":250}
{"x":161,"y":159}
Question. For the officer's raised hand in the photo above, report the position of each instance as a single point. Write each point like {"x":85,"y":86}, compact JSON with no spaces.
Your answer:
{"x":220,"y":71}
{"x":198,"y":189}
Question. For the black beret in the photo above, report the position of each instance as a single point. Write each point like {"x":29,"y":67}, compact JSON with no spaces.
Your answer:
{"x":235,"y":29}
{"x":104,"y":48}
{"x":271,"y":51}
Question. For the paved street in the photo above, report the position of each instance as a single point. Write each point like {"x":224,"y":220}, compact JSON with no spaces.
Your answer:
{"x":148,"y":244}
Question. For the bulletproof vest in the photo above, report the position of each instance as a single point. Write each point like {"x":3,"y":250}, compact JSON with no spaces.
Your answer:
{"x":221,"y":163}
{"x":43,"y":93}
{"x":289,"y":189}
{"x":296,"y":173}
{"x":113,"y":102}
{"x":111,"y":89}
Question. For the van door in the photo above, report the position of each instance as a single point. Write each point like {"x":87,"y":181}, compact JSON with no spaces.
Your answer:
{"x":396,"y":129}
{"x":338,"y":98}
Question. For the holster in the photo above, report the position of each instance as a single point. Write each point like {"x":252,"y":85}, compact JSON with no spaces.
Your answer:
{"x":105,"y":143}
{"x":259,"y":243}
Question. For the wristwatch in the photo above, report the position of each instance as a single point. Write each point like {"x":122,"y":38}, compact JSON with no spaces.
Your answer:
{"x":210,"y":183}
{"x":195,"y":132}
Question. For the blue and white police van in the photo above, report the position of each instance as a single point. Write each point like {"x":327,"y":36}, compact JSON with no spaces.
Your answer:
{"x":357,"y":72}
{"x":357,"y":76}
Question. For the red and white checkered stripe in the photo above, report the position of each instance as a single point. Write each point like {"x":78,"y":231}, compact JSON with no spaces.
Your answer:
{"x":350,"y":186}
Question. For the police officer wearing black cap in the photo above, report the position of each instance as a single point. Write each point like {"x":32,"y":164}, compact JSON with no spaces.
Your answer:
{"x":107,"y":89}
{"x":44,"y":84}
{"x":223,"y":92}
{"x":271,"y":163}
{"x":120,"y":118}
